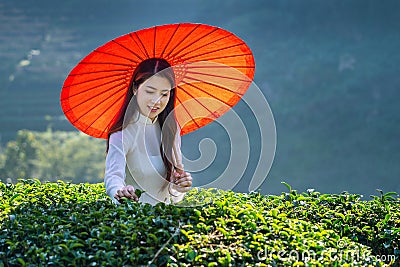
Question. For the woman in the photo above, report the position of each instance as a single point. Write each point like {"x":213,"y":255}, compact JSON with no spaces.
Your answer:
{"x":138,"y":155}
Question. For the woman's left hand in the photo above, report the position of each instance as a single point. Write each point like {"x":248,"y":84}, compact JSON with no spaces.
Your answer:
{"x":182,"y":182}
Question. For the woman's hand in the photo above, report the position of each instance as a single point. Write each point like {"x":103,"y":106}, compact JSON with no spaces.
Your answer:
{"x":127,"y":192}
{"x":182,"y":181}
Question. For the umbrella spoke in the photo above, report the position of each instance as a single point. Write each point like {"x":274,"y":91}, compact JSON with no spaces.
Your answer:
{"x":116,"y":79}
{"x":105,"y":110}
{"x":128,"y":49}
{"x":184,"y":38}
{"x":143,"y":46}
{"x":218,"y":76}
{"x":170,"y":39}
{"x":114,"y":55}
{"x":226,"y":56}
{"x":154,"y":41}
{"x":188,"y":113}
{"x":98,"y":116}
{"x":105,"y":63}
{"x":109,"y":124}
{"x":97,"y":71}
{"x":212,"y":84}
{"x":67,"y":98}
{"x":197,"y":48}
{"x":97,"y":95}
{"x":136,"y":43}
{"x":220,"y":66}
{"x":199,"y":102}
{"x":193,"y":42}
{"x":213,"y":51}
{"x":213,"y":96}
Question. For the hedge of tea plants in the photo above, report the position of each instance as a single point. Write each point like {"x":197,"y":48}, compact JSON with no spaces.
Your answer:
{"x":64,"y":224}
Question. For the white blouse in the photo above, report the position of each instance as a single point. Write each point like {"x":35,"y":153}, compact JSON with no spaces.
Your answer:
{"x":134,"y":158}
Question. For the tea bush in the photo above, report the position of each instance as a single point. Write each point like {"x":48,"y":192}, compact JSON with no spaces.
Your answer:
{"x":65,"y":224}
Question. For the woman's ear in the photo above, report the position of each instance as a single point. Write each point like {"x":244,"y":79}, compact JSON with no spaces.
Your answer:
{"x":134,"y":89}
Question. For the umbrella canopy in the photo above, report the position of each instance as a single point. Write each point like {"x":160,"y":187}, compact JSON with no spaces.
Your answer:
{"x":213,"y":70}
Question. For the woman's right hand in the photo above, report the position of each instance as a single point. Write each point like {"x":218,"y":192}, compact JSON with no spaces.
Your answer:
{"x":127,"y":192}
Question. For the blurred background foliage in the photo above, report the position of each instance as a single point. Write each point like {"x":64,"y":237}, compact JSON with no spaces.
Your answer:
{"x":329,"y":71}
{"x":52,"y":156}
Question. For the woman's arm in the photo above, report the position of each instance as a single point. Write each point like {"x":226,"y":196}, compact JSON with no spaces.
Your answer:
{"x":114,"y":178}
{"x":182,"y":181}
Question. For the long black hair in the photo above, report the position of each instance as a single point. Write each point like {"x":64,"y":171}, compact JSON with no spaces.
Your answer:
{"x":144,"y":71}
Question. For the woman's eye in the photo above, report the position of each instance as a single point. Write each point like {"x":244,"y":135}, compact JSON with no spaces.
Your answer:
{"x":165,"y":94}
{"x":149,"y":92}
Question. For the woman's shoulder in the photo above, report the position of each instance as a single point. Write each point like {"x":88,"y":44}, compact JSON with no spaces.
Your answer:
{"x":125,"y":138}
{"x":115,"y":137}
{"x":127,"y":133}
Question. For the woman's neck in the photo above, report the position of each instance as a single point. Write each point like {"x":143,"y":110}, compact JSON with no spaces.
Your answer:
{"x":147,"y":120}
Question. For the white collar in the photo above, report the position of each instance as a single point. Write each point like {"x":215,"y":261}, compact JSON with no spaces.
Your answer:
{"x":146,"y":120}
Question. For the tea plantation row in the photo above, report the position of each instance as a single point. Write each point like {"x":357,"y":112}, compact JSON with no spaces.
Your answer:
{"x":64,"y":224}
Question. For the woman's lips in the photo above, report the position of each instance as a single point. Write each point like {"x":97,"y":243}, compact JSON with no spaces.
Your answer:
{"x":153,"y":109}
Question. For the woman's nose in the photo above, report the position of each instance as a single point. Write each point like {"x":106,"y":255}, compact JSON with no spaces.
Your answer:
{"x":155,"y":100}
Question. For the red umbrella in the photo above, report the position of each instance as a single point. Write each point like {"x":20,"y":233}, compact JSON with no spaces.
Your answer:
{"x":213,"y":69}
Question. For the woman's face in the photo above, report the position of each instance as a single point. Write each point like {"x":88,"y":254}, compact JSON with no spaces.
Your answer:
{"x":153,"y":95}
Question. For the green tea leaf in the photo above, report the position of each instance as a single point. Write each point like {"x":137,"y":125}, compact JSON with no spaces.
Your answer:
{"x":138,"y":192}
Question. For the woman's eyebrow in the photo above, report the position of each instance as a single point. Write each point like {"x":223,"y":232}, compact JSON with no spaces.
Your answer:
{"x":151,"y":87}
